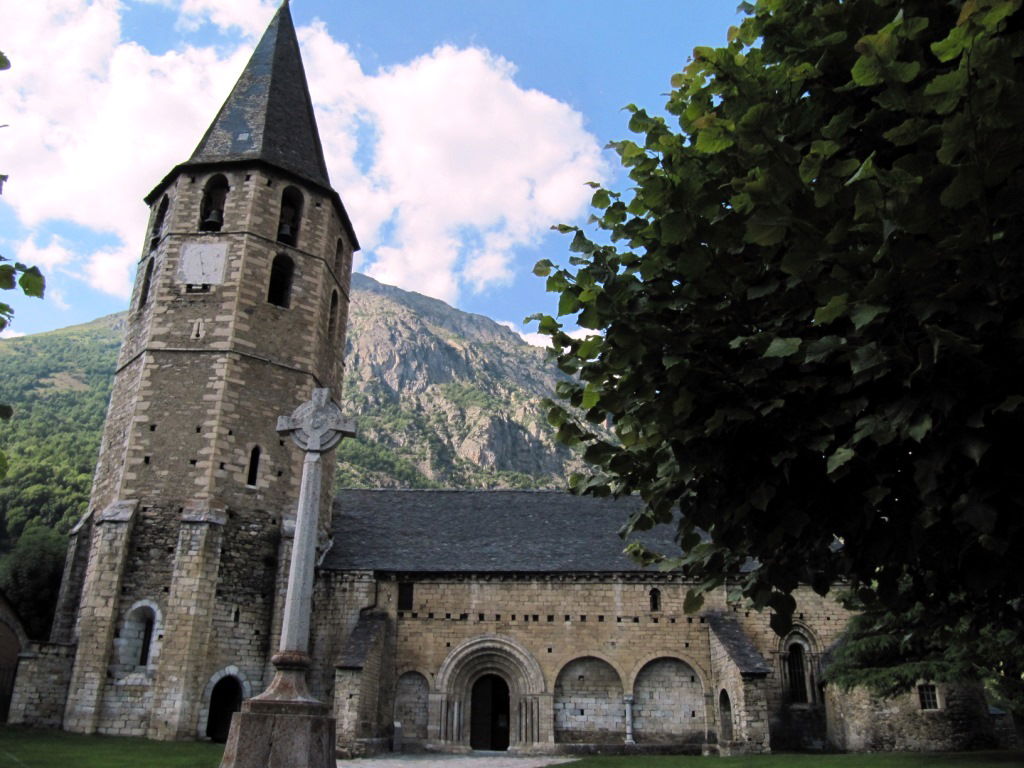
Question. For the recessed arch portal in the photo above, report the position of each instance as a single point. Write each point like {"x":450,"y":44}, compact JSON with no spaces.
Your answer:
{"x":474,"y":660}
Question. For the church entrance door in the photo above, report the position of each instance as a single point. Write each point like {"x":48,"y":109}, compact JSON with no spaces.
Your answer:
{"x":489,"y":714}
{"x":225,"y":700}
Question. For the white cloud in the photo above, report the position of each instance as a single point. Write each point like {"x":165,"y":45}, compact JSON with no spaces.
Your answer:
{"x":50,"y":258}
{"x":533,"y":339}
{"x":249,"y":16}
{"x":446,"y":164}
{"x":7,"y":333}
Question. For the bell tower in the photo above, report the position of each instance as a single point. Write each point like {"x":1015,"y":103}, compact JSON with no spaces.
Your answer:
{"x":176,"y":574}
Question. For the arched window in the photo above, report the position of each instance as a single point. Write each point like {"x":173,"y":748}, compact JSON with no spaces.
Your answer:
{"x":158,"y":224}
{"x":655,"y":599}
{"x":147,"y":279}
{"x":211,"y":212}
{"x":137,"y":640}
{"x":291,"y":215}
{"x":282,"y":271}
{"x":796,"y":663}
{"x":254,"y":466}
{"x":332,"y":322}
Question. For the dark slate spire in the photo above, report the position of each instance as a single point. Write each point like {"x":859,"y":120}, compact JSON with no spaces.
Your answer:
{"x":269,"y":116}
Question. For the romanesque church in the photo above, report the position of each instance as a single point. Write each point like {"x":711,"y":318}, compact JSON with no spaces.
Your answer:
{"x":444,"y":620}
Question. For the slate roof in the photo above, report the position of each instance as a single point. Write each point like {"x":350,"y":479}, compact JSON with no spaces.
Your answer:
{"x":269,"y":115}
{"x":477,"y":531}
{"x":739,"y":647}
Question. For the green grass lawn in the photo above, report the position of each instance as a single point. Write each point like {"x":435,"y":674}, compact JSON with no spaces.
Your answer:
{"x":898,"y":760}
{"x":31,"y":748}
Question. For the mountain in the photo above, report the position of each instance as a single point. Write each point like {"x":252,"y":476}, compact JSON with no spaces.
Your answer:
{"x":441,"y":397}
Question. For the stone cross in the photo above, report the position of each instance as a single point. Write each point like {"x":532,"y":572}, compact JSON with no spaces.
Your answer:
{"x":316,"y":426}
{"x":285,"y":726}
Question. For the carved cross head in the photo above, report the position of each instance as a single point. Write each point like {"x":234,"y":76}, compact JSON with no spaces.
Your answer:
{"x":318,"y":424}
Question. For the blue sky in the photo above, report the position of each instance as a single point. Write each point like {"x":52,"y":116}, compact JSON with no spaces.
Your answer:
{"x":455,"y":132}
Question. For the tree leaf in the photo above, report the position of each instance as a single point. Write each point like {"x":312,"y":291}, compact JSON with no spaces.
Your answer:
{"x":835,"y":308}
{"x":862,"y":314}
{"x":783,"y":347}
{"x":693,"y":601}
{"x":840,"y":457}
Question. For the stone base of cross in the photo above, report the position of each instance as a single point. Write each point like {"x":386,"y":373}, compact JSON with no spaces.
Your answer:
{"x":285,"y":726}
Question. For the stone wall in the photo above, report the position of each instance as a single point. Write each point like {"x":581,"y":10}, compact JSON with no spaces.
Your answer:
{"x":44,"y":671}
{"x":860,"y":722}
{"x":588,"y":703}
{"x":411,"y":694}
{"x":747,"y":729}
{"x":668,"y":704}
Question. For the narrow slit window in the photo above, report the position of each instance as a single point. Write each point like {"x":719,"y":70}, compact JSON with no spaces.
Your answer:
{"x":158,"y":224}
{"x":291,"y":215}
{"x":332,"y":322}
{"x":282,"y":271}
{"x":147,"y":641}
{"x":147,"y":280}
{"x":405,"y":596}
{"x":655,"y":599}
{"x":254,"y":466}
{"x":211,"y":212}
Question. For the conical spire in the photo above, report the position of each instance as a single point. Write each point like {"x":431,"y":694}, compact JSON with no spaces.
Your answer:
{"x":269,"y":116}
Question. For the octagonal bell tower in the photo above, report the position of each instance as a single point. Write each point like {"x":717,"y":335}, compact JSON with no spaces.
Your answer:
{"x":176,"y":575}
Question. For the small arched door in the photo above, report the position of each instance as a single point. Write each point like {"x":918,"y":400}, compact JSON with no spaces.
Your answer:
{"x":489,"y":714}
{"x":725,"y":714}
{"x":225,"y":700}
{"x":10,"y":647}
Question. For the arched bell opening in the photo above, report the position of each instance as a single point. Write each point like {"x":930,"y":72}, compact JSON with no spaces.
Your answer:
{"x":291,"y":216}
{"x":211,"y":211}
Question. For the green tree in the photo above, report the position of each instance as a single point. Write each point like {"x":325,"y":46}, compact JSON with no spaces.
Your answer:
{"x":30,"y":577}
{"x":807,"y":315}
{"x":15,"y":275}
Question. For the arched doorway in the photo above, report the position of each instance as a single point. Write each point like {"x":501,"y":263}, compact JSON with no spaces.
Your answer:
{"x":489,"y":714}
{"x":225,"y":700}
{"x":10,"y":647}
{"x":725,"y":713}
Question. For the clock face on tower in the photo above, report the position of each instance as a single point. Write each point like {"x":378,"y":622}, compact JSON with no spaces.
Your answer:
{"x":202,"y":263}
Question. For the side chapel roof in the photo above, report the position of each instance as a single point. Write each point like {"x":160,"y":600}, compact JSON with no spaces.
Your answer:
{"x":484,"y":531}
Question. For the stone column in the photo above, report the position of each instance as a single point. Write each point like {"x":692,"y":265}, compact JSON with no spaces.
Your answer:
{"x":628,"y":699}
{"x":285,"y":726}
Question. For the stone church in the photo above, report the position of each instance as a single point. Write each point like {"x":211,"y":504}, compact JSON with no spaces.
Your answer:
{"x":443,"y":620}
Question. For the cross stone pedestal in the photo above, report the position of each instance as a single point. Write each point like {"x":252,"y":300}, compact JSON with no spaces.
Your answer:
{"x":285,"y":727}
